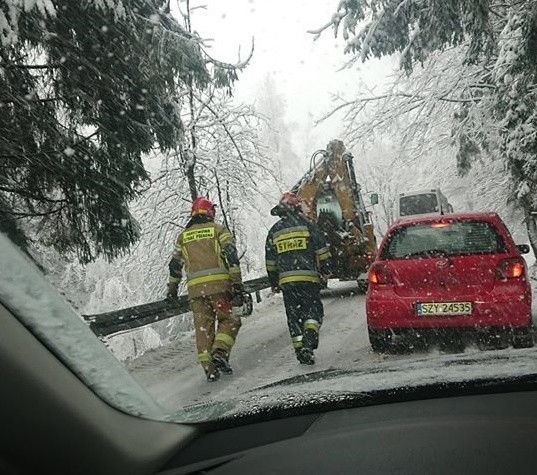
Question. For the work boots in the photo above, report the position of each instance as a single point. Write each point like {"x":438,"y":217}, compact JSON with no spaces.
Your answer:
{"x":212,"y":373}
{"x":311,"y":338}
{"x":305,"y":356}
{"x":220,"y":360}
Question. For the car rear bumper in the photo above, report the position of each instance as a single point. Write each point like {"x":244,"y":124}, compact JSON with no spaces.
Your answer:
{"x":385,"y":309}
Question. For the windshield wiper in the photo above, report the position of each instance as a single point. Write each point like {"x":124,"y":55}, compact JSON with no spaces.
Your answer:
{"x":429,"y":253}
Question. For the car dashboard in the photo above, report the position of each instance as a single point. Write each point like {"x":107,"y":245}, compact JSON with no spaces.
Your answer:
{"x":483,"y":433}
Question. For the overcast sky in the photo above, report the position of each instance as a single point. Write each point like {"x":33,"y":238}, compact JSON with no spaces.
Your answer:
{"x":305,"y":71}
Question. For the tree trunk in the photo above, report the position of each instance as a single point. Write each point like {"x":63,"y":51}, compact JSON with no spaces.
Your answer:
{"x":190,"y":171}
{"x":531,"y":226}
{"x":220,"y":201}
{"x":192,"y":181}
{"x":530,"y":217}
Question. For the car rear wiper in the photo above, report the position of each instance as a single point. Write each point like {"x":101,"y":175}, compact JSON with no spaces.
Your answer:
{"x":429,"y":253}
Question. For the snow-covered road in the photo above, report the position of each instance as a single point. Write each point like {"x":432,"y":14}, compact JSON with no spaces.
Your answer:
{"x":262,"y":354}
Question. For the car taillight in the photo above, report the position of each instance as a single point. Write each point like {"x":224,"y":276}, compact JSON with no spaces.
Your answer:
{"x":511,"y":269}
{"x":380,"y":275}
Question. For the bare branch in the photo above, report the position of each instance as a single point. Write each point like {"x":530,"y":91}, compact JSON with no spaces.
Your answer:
{"x":334,"y":21}
{"x":229,"y":134}
{"x":240,"y":65}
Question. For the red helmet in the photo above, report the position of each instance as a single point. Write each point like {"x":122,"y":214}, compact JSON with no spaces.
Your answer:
{"x":202,"y":205}
{"x":290,"y":199}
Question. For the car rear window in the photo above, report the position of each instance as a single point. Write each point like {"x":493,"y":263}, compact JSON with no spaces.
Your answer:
{"x":438,"y":239}
{"x":418,"y":204}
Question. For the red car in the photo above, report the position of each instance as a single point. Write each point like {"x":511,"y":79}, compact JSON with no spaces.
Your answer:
{"x":456,"y":274}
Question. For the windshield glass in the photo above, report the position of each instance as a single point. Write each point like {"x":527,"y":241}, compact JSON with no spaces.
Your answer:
{"x":418,"y":204}
{"x":195,"y":196}
{"x":451,"y":239}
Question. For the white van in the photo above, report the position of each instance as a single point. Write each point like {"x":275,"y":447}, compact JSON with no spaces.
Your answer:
{"x":422,"y":202}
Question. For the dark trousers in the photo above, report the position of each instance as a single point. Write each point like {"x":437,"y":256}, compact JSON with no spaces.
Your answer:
{"x":305,"y":313}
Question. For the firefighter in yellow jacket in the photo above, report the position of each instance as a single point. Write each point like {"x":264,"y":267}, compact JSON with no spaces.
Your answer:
{"x":207,"y":252}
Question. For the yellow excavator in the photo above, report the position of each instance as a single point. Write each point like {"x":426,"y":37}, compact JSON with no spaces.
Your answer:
{"x":334,"y":201}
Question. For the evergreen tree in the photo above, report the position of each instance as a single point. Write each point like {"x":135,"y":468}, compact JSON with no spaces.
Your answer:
{"x":87,"y":87}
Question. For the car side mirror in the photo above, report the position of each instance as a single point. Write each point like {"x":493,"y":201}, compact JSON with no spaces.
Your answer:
{"x":523,"y":248}
{"x":374,"y":198}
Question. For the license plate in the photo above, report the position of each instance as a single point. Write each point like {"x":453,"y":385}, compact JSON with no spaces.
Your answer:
{"x":444,"y":308}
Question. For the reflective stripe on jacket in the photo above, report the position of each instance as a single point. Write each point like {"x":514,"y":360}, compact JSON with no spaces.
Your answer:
{"x":201,"y":249}
{"x":295,"y":251}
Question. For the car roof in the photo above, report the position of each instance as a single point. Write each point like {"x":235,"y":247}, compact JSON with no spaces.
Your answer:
{"x":432,"y":218}
{"x":419,"y":192}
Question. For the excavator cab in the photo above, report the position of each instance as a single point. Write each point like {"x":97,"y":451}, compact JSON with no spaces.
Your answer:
{"x":328,"y":204}
{"x":332,"y":197}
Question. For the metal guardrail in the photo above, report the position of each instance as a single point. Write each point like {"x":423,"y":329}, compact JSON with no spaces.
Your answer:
{"x":105,"y":324}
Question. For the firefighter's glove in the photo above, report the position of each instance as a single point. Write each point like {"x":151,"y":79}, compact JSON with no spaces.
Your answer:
{"x":237,"y":288}
{"x":173,"y":289}
{"x":237,"y":300}
{"x":237,"y":291}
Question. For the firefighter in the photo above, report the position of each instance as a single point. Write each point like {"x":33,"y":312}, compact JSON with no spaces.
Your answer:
{"x":207,"y":252}
{"x":297,"y":258}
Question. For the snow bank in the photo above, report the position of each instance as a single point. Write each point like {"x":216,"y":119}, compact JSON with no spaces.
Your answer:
{"x":133,"y":344}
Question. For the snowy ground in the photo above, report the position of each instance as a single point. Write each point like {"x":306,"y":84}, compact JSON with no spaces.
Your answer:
{"x":263,"y":355}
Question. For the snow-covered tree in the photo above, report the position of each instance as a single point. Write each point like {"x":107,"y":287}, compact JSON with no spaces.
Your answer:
{"x":225,"y":133}
{"x":515,"y":100}
{"x":88,"y":89}
{"x":278,"y":135}
{"x":417,"y":28}
{"x":230,"y":168}
{"x":469,"y":80}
